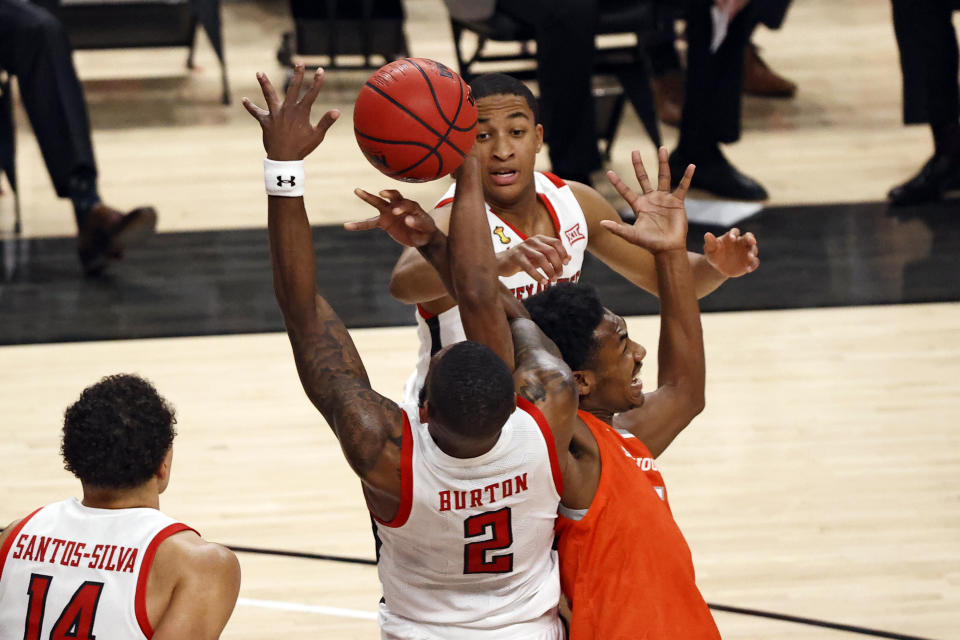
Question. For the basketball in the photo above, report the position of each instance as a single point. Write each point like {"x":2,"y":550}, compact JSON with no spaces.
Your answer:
{"x":415,"y":119}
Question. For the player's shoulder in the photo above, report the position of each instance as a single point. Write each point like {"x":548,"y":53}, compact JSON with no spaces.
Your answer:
{"x":593,"y":204}
{"x":185,"y":552}
{"x":8,"y":529}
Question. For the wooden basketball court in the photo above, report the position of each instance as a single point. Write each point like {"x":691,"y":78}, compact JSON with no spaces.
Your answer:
{"x":822,"y":481}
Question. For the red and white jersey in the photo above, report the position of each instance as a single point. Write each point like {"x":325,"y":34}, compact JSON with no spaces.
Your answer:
{"x":70,"y":571}
{"x":437,"y":331}
{"x":470,"y":552}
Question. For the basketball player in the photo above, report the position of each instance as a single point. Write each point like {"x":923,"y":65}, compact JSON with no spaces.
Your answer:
{"x":540,"y":225}
{"x":464,"y":489}
{"x":625,"y":566}
{"x":112,"y":565}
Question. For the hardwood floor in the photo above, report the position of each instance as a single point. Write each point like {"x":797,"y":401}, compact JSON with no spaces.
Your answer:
{"x":820,"y":482}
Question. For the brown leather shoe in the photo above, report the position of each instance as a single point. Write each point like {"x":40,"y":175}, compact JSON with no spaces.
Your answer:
{"x":108,"y":232}
{"x":668,"y":95}
{"x":761,"y":80}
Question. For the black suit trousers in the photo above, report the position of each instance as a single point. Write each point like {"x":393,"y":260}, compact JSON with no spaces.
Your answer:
{"x":35,"y":48}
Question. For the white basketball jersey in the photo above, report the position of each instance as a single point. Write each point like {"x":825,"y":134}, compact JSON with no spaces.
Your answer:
{"x":470,"y":552}
{"x":70,"y":571}
{"x":438,"y":331}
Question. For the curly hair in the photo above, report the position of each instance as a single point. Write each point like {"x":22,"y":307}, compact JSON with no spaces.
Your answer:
{"x":568,"y":314}
{"x":500,"y":84}
{"x":117,"y":433}
{"x":470,"y":390}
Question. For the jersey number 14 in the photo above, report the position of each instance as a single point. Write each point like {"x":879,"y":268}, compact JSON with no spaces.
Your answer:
{"x":76,"y":619}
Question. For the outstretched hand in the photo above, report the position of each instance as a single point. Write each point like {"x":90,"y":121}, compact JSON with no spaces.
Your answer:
{"x":287,"y":132}
{"x":405,"y":220}
{"x":661,"y":223}
{"x":731,"y":254}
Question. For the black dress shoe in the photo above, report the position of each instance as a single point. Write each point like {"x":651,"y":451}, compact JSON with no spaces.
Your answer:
{"x":716,"y":175}
{"x":108,"y":232}
{"x":940,"y":174}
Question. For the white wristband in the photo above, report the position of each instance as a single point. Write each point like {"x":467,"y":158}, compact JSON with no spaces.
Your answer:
{"x":283,"y":178}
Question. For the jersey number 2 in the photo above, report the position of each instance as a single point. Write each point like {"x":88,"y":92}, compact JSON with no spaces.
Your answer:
{"x":475,"y":553}
{"x":76,"y":619}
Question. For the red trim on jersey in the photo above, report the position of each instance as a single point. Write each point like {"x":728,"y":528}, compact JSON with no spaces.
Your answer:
{"x":426,"y":315}
{"x":5,"y":549}
{"x":406,"y":479}
{"x":140,"y":597}
{"x":547,"y":432}
{"x":556,"y":180}
{"x":522,"y":235}
{"x":553,"y":213}
{"x":444,"y":202}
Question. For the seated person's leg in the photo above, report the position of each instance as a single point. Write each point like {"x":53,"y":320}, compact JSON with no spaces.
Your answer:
{"x":35,"y":48}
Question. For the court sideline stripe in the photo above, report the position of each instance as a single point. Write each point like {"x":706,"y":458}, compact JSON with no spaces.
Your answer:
{"x":306,"y":608}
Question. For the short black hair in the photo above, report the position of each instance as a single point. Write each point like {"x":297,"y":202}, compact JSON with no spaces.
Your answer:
{"x":470,"y":390}
{"x":500,"y":84}
{"x":117,"y":433}
{"x":568,"y":314}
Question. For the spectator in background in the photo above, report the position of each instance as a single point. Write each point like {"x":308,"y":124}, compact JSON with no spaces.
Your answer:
{"x":711,"y":110}
{"x":34,"y":47}
{"x":928,"y":59}
{"x":758,"y":78}
{"x":565,"y":33}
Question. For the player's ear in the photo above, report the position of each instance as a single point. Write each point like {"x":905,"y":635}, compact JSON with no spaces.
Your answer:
{"x":163,"y":473}
{"x":539,"y":130}
{"x":586,"y":380}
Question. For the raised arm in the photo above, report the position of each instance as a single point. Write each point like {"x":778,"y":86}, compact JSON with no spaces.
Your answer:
{"x":540,"y":374}
{"x":465,"y":263}
{"x":661,"y":229}
{"x":368,"y":425}
{"x":730,"y":256}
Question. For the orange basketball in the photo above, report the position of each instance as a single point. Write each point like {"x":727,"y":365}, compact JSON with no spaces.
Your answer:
{"x":415,"y":119}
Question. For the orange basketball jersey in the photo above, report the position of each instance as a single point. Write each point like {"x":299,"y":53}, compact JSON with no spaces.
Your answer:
{"x":625,"y":566}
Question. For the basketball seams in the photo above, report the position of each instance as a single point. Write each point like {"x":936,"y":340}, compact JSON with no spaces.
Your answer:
{"x":431,"y":151}
{"x":451,"y":124}
{"x":404,"y":95}
{"x":403,"y":108}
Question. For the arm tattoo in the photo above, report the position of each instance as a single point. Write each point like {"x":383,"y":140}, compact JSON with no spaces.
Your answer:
{"x":334,"y":378}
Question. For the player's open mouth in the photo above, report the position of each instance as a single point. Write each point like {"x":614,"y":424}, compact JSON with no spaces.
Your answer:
{"x":504,"y":177}
{"x":636,"y":385}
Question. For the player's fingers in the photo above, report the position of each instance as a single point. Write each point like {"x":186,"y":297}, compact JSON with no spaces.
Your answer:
{"x":326,"y":122}
{"x":293,"y":89}
{"x":734,"y":233}
{"x":269,"y":94}
{"x":752,"y":266}
{"x":709,"y":242}
{"x":558,"y":247}
{"x":681,"y":190}
{"x":749,"y":238}
{"x":369,"y":198}
{"x":311,"y":95}
{"x":625,"y":192}
{"x":254,"y":110}
{"x":663,"y":173}
{"x":549,"y":256}
{"x":531,"y":270}
{"x":641,"y":172}
{"x":362,"y":225}
{"x":617,"y":228}
{"x":419,"y":223}
{"x":392,"y":195}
